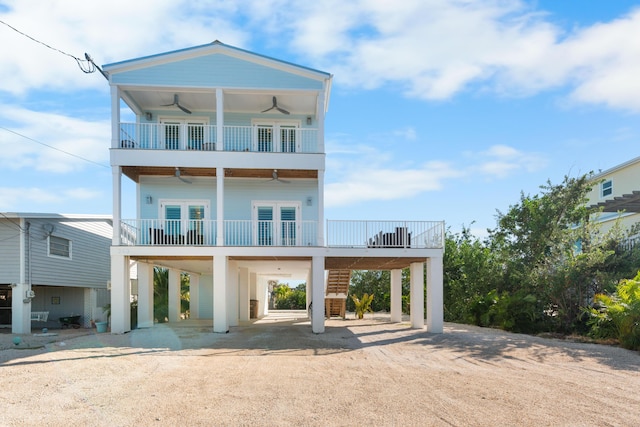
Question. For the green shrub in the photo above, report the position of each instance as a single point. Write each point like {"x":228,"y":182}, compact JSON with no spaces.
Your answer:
{"x":618,"y":315}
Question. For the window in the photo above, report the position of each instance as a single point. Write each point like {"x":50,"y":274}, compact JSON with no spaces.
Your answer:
{"x":59,"y":247}
{"x":607,"y":188}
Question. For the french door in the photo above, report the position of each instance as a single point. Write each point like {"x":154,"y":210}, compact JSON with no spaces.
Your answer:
{"x":276,"y":137}
{"x":183,"y":134}
{"x":276,"y":223}
{"x":184,"y":220}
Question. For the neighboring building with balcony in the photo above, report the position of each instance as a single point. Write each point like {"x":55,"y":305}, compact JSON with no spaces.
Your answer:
{"x":228,"y":158}
{"x":616,"y":191}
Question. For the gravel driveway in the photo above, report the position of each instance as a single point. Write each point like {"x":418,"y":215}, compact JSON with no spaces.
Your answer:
{"x":277,"y":372}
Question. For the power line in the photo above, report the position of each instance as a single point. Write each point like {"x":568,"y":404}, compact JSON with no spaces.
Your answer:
{"x":87,"y":66}
{"x":54,"y":148}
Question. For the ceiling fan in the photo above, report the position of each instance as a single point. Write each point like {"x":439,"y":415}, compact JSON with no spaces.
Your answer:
{"x":176,"y":102}
{"x":275,"y":105}
{"x":178,"y":174}
{"x":275,"y":177}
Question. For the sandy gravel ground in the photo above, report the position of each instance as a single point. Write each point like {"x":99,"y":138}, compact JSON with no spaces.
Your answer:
{"x":276,"y":372}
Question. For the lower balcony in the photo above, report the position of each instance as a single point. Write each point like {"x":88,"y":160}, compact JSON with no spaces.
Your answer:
{"x":347,"y":234}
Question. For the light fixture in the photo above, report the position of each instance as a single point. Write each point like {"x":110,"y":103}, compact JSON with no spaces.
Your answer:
{"x":148,"y":116}
{"x":309,"y":201}
{"x":309,"y":120}
{"x":149,"y":200}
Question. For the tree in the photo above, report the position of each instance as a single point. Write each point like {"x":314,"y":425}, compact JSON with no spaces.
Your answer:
{"x":161,"y":294}
{"x":291,"y":299}
{"x":470,"y":273}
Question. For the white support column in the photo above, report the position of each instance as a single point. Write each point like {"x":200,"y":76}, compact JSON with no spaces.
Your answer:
{"x":220,"y":206}
{"x":435,"y":300}
{"x":120,"y":294}
{"x":145,"y":295}
{"x":417,"y":295}
{"x":115,"y":117}
{"x":174,"y":295}
{"x":243,"y":294}
{"x":20,"y":310}
{"x":194,"y":296}
{"x":220,"y":322}
{"x":232,"y":293}
{"x":317,"y":290}
{"x":396,"y":295}
{"x":307,"y":288}
{"x":116,"y":174}
{"x":321,"y":224}
{"x":219,"y":119}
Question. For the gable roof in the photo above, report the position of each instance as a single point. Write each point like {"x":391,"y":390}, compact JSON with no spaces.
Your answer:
{"x":215,"y":47}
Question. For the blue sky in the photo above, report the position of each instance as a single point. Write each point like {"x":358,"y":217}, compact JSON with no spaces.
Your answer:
{"x":440,"y":110}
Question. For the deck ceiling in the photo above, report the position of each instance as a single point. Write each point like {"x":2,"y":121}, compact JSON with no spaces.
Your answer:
{"x":626,"y":202}
{"x":203,"y":101}
{"x":369,"y":263}
{"x":135,"y":172}
{"x":204,"y":264}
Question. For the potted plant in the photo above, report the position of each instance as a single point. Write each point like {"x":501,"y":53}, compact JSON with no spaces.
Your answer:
{"x":101,"y":327}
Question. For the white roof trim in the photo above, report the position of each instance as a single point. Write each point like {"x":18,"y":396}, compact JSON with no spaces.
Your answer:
{"x":616,"y":168}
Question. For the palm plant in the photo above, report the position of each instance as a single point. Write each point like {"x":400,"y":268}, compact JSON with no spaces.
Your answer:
{"x":362,"y":305}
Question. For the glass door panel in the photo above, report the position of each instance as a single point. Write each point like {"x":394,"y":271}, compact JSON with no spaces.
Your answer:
{"x":173,"y":226}
{"x":288,"y":226}
{"x":265,"y":138}
{"x":288,"y":139}
{"x":265,"y":226}
{"x":195,"y":136}
{"x":172,"y":136}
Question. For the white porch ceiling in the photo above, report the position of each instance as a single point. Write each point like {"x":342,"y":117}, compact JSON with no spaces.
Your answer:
{"x":296,"y":103}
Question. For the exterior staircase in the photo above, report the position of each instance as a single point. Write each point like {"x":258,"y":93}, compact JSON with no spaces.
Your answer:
{"x":335,"y":301}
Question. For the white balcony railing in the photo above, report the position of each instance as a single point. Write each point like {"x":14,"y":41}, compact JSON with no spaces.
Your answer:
{"x":386,"y":234}
{"x":156,"y":232}
{"x":352,"y":234}
{"x":169,"y":136}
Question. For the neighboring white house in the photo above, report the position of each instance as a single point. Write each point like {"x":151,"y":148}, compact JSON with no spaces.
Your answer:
{"x":616,"y":191}
{"x":227,"y":153}
{"x":52,"y":266}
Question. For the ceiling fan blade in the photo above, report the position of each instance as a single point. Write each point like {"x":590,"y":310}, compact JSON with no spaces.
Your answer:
{"x":183,"y":109}
{"x":283,"y":111}
{"x":178,"y":175}
{"x":268,"y":109}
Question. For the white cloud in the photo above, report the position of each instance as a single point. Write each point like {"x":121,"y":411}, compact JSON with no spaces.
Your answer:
{"x":501,"y":161}
{"x":429,"y":49}
{"x":374,"y":183}
{"x":11,"y":199}
{"x":83,"y":138}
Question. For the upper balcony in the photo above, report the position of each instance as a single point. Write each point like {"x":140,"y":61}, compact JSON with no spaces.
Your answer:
{"x":339,"y":234}
{"x":201,"y":137}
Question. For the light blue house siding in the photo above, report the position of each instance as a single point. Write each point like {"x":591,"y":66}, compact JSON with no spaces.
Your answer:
{"x":239,"y":195}
{"x":230,"y":72}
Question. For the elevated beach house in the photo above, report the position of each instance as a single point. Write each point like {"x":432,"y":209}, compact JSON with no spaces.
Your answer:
{"x":226,"y":150}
